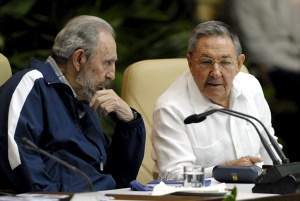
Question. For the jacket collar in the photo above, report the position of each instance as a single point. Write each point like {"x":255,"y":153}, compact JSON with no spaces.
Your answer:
{"x":51,"y":72}
{"x":59,"y":73}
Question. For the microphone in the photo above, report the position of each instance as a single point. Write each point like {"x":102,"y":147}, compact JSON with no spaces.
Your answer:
{"x":201,"y":117}
{"x":279,"y":178}
{"x":30,"y":145}
{"x":195,"y":118}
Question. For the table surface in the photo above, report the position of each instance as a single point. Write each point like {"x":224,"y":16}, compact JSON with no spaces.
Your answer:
{"x":244,"y":192}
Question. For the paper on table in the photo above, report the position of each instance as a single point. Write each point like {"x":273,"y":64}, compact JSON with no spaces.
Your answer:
{"x":44,"y":196}
{"x":18,"y":198}
{"x":91,"y":196}
{"x":163,"y":189}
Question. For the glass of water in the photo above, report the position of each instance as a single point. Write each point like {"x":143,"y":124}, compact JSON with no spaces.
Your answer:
{"x":193,"y":176}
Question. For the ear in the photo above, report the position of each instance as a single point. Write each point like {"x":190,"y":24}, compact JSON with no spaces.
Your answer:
{"x":189,"y":59}
{"x":78,"y":58}
{"x":241,"y":59}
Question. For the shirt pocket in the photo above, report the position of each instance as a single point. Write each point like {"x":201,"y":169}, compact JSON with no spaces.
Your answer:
{"x":212,"y":154}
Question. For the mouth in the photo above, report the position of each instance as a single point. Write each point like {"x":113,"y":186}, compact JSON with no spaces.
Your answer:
{"x":102,"y":85}
{"x":214,"y":84}
{"x":100,"y":88}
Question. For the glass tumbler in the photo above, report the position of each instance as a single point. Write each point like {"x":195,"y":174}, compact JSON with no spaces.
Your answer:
{"x":193,"y":176}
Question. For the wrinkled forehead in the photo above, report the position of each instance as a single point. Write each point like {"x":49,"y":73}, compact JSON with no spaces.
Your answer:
{"x":214,"y":45}
{"x":106,"y":45}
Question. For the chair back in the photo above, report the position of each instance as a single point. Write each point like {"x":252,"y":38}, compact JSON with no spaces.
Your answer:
{"x":5,"y":70}
{"x":143,"y":82}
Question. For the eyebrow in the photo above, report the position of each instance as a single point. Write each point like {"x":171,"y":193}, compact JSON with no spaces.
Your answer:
{"x":223,"y":57}
{"x":226,"y":57}
{"x":205,"y":55}
{"x":111,"y":59}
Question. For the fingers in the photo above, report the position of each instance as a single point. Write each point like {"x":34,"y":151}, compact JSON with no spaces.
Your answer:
{"x":244,"y":161}
{"x":96,"y":99}
{"x":249,"y":160}
{"x":255,"y":159}
{"x":105,"y":100}
{"x":108,"y":101}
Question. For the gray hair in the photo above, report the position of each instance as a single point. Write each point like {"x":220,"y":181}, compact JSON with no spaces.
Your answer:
{"x":213,"y":28}
{"x":80,"y":32}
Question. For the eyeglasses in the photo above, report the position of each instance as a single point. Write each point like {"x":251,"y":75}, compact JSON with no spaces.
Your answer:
{"x":209,"y":63}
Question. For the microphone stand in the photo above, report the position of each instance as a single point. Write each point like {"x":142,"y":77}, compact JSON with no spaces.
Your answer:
{"x":279,"y":178}
{"x":30,"y":145}
{"x":201,"y":117}
{"x":263,"y":140}
{"x":282,"y":156}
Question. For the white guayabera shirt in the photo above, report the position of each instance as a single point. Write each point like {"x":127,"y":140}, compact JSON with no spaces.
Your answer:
{"x":219,"y":138}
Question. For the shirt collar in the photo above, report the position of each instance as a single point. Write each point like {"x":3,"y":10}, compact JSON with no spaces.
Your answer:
{"x":236,"y":91}
{"x":59,"y":73}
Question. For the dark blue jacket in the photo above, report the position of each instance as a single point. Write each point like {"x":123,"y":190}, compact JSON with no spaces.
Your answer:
{"x":35,"y":104}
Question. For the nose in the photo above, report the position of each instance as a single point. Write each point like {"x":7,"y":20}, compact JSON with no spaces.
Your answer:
{"x":110,"y":74}
{"x":216,"y":70}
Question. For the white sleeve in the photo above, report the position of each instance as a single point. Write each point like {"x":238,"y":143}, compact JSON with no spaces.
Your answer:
{"x":171,"y":145}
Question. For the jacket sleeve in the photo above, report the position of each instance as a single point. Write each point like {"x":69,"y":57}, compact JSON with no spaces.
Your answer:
{"x":25,"y":119}
{"x":126,"y":151}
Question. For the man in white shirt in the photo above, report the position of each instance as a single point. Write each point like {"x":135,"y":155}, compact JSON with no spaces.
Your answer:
{"x":214,"y":80}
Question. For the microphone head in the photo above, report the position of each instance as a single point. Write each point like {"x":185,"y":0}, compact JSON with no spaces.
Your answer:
{"x":194,"y":118}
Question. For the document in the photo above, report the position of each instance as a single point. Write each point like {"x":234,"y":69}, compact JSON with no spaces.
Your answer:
{"x":34,"y":197}
{"x":164,"y":189}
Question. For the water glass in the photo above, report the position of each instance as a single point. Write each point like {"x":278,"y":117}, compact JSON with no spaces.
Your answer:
{"x":193,"y":176}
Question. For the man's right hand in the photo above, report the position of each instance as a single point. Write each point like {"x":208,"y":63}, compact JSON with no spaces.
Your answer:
{"x":244,"y":161}
{"x":108,"y":101}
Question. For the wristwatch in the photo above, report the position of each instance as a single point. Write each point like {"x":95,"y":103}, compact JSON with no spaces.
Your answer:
{"x":135,"y":114}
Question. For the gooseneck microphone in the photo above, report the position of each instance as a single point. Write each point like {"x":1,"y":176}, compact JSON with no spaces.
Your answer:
{"x":282,"y":156}
{"x":202,"y":117}
{"x":30,"y":145}
{"x":279,"y":178}
{"x":195,"y":118}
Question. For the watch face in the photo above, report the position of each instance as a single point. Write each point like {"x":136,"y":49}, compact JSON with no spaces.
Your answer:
{"x":135,"y":114}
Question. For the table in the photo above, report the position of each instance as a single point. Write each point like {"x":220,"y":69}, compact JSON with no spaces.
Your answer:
{"x":244,"y":193}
